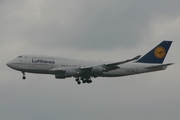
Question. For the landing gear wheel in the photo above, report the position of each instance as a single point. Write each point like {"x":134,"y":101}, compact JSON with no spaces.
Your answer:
{"x":24,"y":77}
{"x":89,"y":81}
{"x":78,"y":82}
{"x":84,"y":81}
{"x":77,"y":79}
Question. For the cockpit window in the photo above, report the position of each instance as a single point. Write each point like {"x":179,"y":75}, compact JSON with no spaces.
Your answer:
{"x":19,"y":57}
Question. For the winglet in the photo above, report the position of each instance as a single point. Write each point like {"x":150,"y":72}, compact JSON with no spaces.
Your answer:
{"x":136,"y":58}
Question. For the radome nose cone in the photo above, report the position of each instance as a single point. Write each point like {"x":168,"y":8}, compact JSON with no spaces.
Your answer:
{"x":8,"y":64}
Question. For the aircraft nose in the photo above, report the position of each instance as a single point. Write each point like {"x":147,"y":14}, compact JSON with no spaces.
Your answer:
{"x":8,"y":64}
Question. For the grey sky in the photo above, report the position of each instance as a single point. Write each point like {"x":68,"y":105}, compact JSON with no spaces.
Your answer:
{"x":92,"y":30}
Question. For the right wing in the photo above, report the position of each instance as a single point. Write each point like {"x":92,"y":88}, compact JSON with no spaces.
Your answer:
{"x":109,"y":66}
{"x":122,"y":62}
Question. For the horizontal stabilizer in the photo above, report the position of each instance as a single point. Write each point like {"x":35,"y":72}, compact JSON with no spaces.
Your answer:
{"x":159,"y":66}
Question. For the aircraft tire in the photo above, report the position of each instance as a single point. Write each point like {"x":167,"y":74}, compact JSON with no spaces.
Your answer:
{"x":78,"y":82}
{"x":24,"y":77}
{"x":84,"y":81}
{"x":90,"y":81}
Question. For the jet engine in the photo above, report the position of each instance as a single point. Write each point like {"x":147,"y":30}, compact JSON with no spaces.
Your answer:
{"x":97,"y":70}
{"x":60,"y":76}
{"x":68,"y":73}
{"x":71,"y":73}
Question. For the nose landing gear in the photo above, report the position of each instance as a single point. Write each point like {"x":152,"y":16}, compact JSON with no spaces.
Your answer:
{"x":24,"y":77}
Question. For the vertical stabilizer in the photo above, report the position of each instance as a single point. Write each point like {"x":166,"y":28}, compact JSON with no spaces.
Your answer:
{"x":158,"y":54}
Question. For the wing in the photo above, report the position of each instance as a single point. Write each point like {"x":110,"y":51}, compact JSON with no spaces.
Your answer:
{"x":109,"y":66}
{"x":122,"y":62}
{"x":90,"y":70}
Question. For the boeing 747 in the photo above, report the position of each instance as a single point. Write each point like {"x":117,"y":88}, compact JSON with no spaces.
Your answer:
{"x":83,"y":71}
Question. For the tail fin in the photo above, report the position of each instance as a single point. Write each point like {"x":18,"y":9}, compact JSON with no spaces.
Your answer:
{"x":158,"y":54}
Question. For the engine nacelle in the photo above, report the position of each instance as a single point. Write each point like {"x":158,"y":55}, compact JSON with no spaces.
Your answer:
{"x":97,"y":70}
{"x":71,"y":73}
{"x":60,"y":76}
{"x":68,"y":73}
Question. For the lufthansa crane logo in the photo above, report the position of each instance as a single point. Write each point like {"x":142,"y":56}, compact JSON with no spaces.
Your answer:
{"x":160,"y":52}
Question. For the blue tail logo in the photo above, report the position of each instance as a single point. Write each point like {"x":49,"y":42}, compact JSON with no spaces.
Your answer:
{"x":158,"y":54}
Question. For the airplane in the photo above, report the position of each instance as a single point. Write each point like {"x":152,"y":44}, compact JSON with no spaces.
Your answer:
{"x":83,"y":71}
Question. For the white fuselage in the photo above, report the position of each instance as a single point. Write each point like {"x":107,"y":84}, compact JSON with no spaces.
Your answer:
{"x":48,"y":65}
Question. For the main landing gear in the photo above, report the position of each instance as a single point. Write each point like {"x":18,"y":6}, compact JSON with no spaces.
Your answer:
{"x":24,"y":77}
{"x":84,"y":80}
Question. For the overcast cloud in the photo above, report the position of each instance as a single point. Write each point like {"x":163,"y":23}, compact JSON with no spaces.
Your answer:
{"x":92,"y":30}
